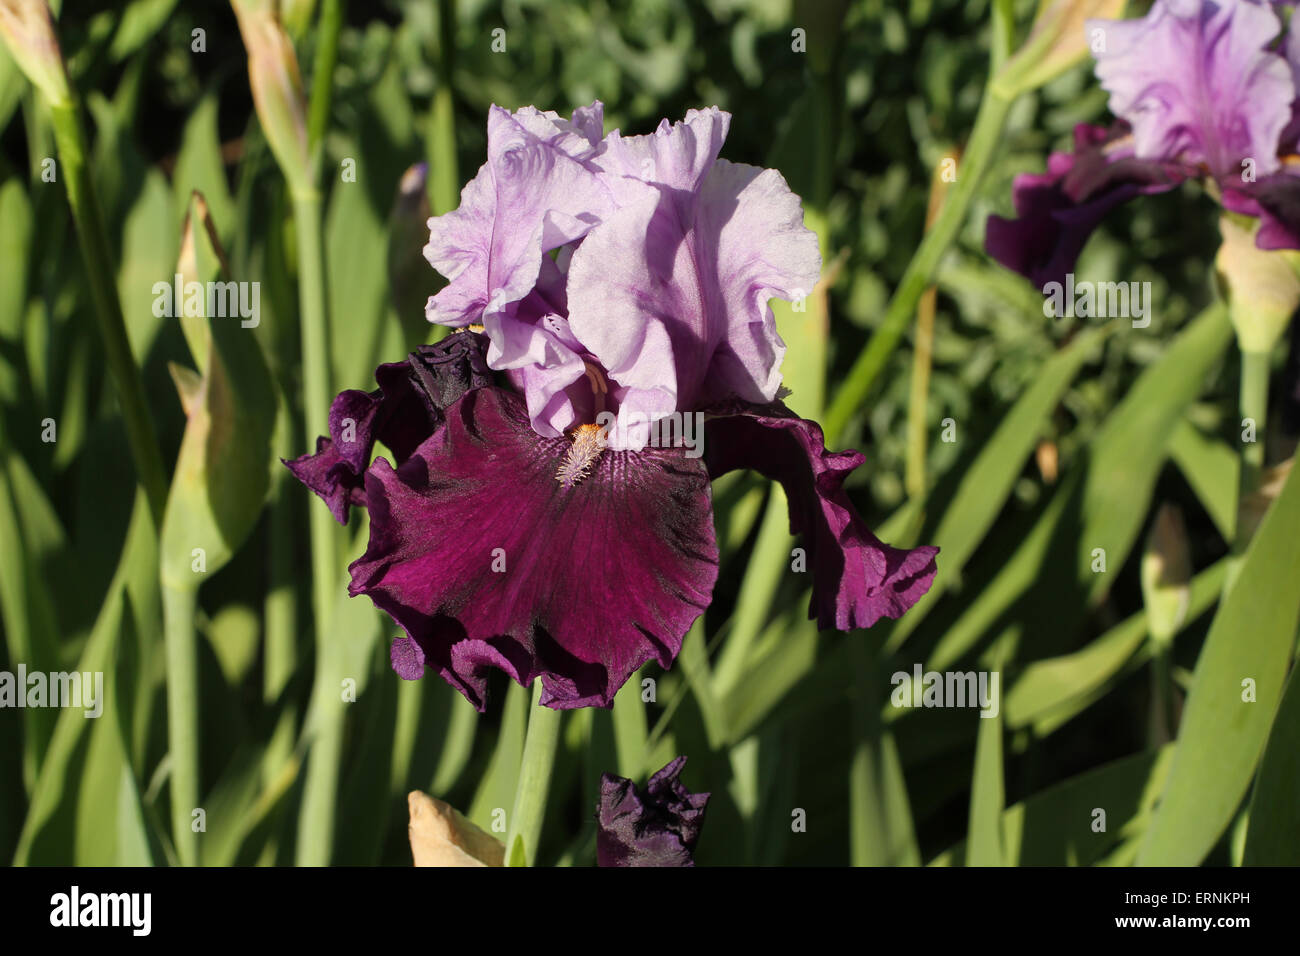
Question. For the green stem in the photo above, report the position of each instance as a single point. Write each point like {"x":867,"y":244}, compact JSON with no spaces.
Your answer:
{"x":866,"y":810}
{"x":534,"y":781}
{"x":768,"y":564}
{"x":984,"y":140}
{"x":917,"y":438}
{"x":322,"y":75}
{"x":630,"y":728}
{"x":316,"y":824}
{"x":320,"y":793}
{"x":181,"y":645}
{"x":444,"y":178}
{"x":280,"y":651}
{"x":314,"y":327}
{"x":100,"y":275}
{"x":1162,"y":679}
{"x":457,"y":746}
{"x":1254,"y":405}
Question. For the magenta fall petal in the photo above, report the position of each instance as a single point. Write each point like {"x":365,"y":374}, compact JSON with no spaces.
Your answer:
{"x":401,"y":413}
{"x":856,"y":579}
{"x":597,"y":578}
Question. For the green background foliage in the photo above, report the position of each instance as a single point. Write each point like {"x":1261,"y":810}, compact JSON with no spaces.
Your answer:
{"x":1066,"y":435}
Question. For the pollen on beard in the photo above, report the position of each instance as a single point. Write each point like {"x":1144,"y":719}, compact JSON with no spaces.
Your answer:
{"x":588,"y":443}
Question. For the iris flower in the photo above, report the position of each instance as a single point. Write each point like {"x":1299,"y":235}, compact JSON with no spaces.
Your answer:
{"x":546,"y":511}
{"x":1202,"y":89}
{"x":655,"y":827}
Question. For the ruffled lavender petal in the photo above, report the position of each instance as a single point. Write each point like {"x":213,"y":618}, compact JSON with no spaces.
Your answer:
{"x":655,"y":827}
{"x":1197,"y":84}
{"x":401,"y":413}
{"x":1059,"y":209}
{"x":856,"y":579}
{"x":671,"y":293}
{"x":538,"y":190}
{"x":486,"y":560}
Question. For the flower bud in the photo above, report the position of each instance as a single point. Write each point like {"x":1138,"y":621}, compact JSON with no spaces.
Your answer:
{"x":28,"y":30}
{"x":1166,"y":573}
{"x":1059,"y":38}
{"x":442,"y":836}
{"x":277,"y":89}
{"x":1263,"y":289}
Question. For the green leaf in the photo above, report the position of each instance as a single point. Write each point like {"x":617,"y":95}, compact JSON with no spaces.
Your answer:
{"x":356,"y":247}
{"x":223,"y":469}
{"x":1057,"y":826}
{"x":50,"y":831}
{"x":15,"y":255}
{"x":11,"y":86}
{"x":1273,"y":837}
{"x":148,"y":252}
{"x":496,"y":791}
{"x":988,"y":796}
{"x":28,"y":531}
{"x":1049,"y":687}
{"x":987,"y":483}
{"x":784,"y":655}
{"x":1108,"y":495}
{"x":1130,"y":449}
{"x":199,"y":167}
{"x":140,"y":21}
{"x":1213,"y":470}
{"x":1226,"y":721}
{"x":881,"y":832}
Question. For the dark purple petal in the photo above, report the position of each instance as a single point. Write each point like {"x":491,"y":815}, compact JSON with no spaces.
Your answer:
{"x":655,"y":827}
{"x":404,"y":411}
{"x":1059,"y":209}
{"x":856,"y":579}
{"x":1275,"y":200}
{"x":486,"y":560}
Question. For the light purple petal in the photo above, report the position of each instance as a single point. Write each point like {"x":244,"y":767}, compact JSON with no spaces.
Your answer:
{"x":1194,"y":80}
{"x":676,"y":156}
{"x":537,"y":191}
{"x":675,"y":287}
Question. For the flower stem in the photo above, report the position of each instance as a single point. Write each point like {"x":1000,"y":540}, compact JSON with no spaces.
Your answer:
{"x":181,"y":647}
{"x":320,"y":793}
{"x":630,"y":728}
{"x":1254,"y":406}
{"x":534,"y":781}
{"x":322,"y":74}
{"x":280,"y":648}
{"x":1164,"y":724}
{"x":444,"y":177}
{"x":100,"y":274}
{"x":984,"y":140}
{"x":768,"y":564}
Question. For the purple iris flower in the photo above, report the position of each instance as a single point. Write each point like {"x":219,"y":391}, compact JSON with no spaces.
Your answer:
{"x":548,"y":508}
{"x":1202,"y":89}
{"x":655,"y":827}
